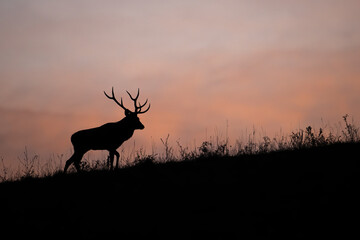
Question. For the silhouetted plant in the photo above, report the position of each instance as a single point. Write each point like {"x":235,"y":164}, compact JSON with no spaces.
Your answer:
{"x":140,"y":154}
{"x":250,"y":148}
{"x":85,"y":165}
{"x":169,"y":151}
{"x":265,"y":146}
{"x":28,"y":164}
{"x":281,"y":144}
{"x":297,"y":139}
{"x":208,"y":148}
{"x":52,"y":165}
{"x":205,"y":148}
{"x":309,"y":138}
{"x":313,"y":139}
{"x":351,"y":132}
{"x":221,"y":149}
{"x":99,"y":165}
{"x":238,"y":147}
{"x":4,"y":175}
{"x":185,"y":154}
{"x":331,"y":139}
{"x":321,"y":140}
{"x":145,"y":160}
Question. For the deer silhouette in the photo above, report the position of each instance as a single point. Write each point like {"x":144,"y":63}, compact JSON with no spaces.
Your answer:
{"x":109,"y":136}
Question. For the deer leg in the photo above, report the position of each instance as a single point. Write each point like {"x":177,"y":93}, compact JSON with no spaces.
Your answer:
{"x":75,"y":158}
{"x":77,"y":165}
{"x":108,"y":161}
{"x":69,"y":162}
{"x":117,"y":159}
{"x":111,"y":159}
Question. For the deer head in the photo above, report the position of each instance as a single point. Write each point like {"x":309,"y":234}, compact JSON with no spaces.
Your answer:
{"x":132,"y":116}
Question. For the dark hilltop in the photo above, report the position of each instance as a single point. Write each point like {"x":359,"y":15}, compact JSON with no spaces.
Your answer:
{"x":295,"y":193}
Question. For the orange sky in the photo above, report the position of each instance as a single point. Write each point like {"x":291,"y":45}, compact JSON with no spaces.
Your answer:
{"x":276,"y":64}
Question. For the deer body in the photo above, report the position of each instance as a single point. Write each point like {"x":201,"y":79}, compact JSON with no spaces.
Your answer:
{"x":108,"y":137}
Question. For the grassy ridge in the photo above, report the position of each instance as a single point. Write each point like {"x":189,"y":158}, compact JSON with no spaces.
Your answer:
{"x":291,"y":193}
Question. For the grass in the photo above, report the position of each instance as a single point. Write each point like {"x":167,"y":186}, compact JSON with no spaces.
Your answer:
{"x":30,"y":166}
{"x":297,"y":186}
{"x":288,"y":193}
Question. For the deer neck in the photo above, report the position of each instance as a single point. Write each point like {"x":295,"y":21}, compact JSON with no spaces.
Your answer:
{"x":124,"y":126}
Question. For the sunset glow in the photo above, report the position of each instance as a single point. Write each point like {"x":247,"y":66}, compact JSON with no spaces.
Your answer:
{"x":205,"y":66}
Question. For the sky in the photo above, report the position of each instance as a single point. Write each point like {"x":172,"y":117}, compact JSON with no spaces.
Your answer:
{"x":208,"y":68}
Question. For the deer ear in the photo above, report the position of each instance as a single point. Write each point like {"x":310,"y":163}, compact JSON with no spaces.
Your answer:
{"x":127,"y":113}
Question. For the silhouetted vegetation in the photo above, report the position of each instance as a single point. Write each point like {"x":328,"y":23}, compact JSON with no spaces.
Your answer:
{"x":297,"y":186}
{"x":300,"y":139}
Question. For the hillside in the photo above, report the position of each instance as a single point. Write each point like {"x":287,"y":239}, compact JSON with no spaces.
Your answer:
{"x":293,"y":193}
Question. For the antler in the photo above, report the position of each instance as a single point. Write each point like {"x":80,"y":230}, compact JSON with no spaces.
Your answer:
{"x":138,"y":108}
{"x":115,"y":100}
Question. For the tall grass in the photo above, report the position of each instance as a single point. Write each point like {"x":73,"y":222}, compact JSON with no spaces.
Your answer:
{"x":299,"y":139}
